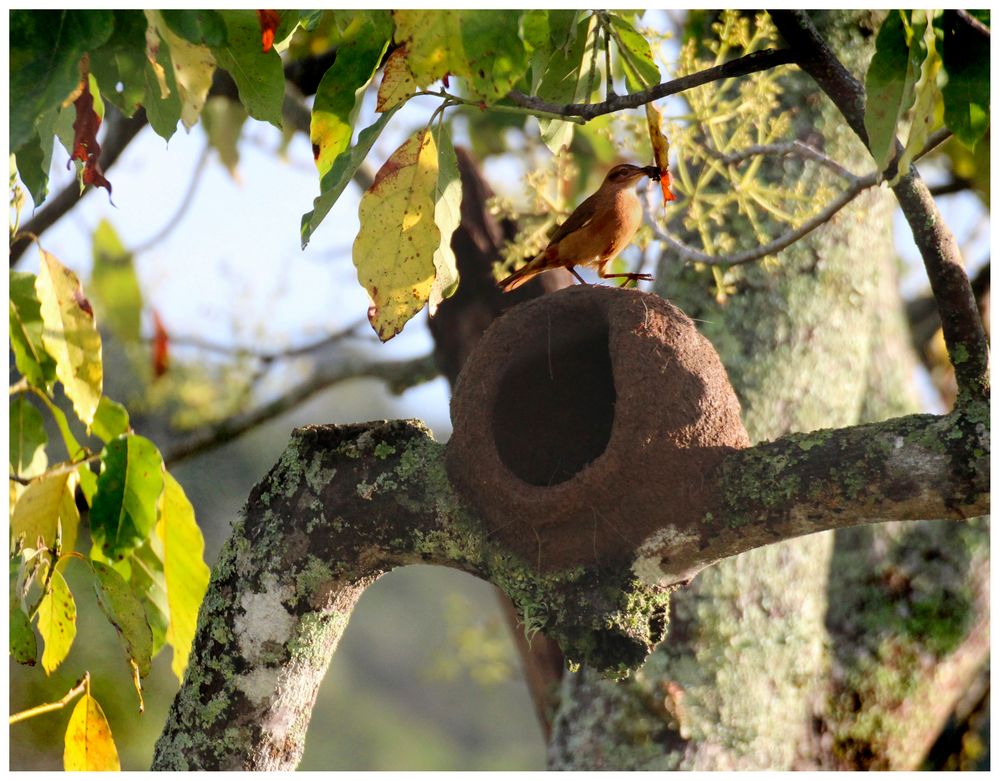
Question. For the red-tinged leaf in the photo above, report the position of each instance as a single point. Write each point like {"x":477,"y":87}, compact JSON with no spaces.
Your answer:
{"x":161,"y":346}
{"x":85,"y":146}
{"x":661,"y":151}
{"x":269,"y":21}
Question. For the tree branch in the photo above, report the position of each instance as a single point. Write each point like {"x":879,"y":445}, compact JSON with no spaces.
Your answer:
{"x":121,"y":130}
{"x":692,"y":255}
{"x":345,"y":504}
{"x":751,"y":63}
{"x":398,"y":375}
{"x":963,"y":328}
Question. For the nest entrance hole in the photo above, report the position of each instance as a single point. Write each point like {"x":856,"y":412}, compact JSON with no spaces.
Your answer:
{"x":556,"y":402}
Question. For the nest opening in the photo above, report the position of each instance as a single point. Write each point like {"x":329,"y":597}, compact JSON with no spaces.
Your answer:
{"x":556,"y":403}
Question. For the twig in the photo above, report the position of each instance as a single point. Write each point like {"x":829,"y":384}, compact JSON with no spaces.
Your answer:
{"x":963,"y":328}
{"x":751,"y":63}
{"x":609,"y":91}
{"x":691,"y":255}
{"x":185,"y":204}
{"x":398,"y":375}
{"x":797,"y":148}
{"x":81,"y":686}
{"x":59,"y":469}
{"x":266,"y":356}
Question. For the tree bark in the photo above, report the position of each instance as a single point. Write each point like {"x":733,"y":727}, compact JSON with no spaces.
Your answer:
{"x":746,"y":679}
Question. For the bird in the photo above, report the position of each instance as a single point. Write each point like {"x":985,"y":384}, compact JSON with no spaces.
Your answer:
{"x":594,"y":234}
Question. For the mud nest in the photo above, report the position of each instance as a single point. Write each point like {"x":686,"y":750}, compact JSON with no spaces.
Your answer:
{"x":586,"y":420}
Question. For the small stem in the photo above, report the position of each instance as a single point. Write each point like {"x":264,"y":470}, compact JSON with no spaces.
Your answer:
{"x":459,"y":102}
{"x":82,"y":686}
{"x":59,"y":469}
{"x":610,"y":91}
{"x":21,"y":386}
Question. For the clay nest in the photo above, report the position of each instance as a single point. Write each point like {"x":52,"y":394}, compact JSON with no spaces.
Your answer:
{"x":585,"y":421}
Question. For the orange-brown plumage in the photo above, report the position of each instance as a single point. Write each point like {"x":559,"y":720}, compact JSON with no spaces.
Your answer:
{"x":594,"y":234}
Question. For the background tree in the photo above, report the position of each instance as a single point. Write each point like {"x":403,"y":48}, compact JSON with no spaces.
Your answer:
{"x":754,"y":156}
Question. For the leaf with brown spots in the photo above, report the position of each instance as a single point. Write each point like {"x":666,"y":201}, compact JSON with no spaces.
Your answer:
{"x":85,"y":127}
{"x":89,"y":745}
{"x":394,"y":250}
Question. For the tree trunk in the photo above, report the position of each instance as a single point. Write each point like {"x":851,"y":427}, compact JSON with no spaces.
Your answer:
{"x":819,"y":652}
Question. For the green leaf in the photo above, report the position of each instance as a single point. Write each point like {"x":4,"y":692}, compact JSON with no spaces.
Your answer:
{"x":162,"y":97}
{"x":184,"y":568}
{"x":339,"y":94}
{"x":46,"y":506}
{"x":925,"y":105}
{"x":89,"y":745}
{"x":202,"y":27}
{"x":394,"y":249}
{"x":223,"y":120}
{"x":637,"y":60}
{"x":146,"y":577}
{"x":31,"y":165}
{"x":193,"y":66}
{"x":889,"y":84}
{"x":483,"y":47}
{"x":23,"y":643}
{"x":56,"y":623}
{"x":114,"y":285}
{"x":259,"y":76}
{"x":45,"y":62}
{"x":495,"y":57}
{"x":447,"y":215}
{"x":340,"y":174}
{"x":123,"y":511}
{"x":966,"y":58}
{"x":122,"y":60}
{"x":126,"y":615}
{"x":111,"y":420}
{"x":26,"y":329}
{"x":565,"y":80}
{"x":535,"y":28}
{"x":27,"y":438}
{"x":88,"y":480}
{"x":70,"y":335}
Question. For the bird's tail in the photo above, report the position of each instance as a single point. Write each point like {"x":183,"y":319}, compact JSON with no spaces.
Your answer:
{"x":519,"y":277}
{"x":526,"y":273}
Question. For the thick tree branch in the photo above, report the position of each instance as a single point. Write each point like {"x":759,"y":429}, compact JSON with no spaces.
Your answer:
{"x":963,"y":328}
{"x":345,"y":504}
{"x":751,"y":63}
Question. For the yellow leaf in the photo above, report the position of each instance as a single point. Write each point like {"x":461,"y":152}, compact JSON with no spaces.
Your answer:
{"x":661,"y":150}
{"x":194,"y":67}
{"x":397,"y":81}
{"x":184,"y":570}
{"x":89,"y":745}
{"x":57,"y":623}
{"x":394,"y":250}
{"x":45,"y":503}
{"x":70,"y":335}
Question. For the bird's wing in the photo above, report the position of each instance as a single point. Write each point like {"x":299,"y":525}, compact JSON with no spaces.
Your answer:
{"x":578,"y":219}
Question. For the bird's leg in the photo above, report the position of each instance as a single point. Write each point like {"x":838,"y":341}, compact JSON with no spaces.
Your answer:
{"x":582,"y":280}
{"x":629,"y":277}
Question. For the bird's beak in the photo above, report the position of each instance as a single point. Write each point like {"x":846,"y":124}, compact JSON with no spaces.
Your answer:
{"x":652,"y":172}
